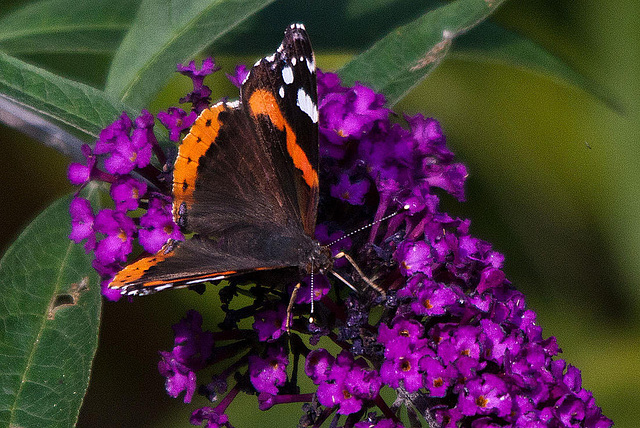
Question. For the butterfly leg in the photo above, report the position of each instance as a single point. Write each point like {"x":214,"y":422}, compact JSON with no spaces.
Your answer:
{"x":370,"y":283}
{"x":292,"y":300}
{"x":347,"y":283}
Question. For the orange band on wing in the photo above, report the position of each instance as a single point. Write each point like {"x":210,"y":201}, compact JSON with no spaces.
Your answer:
{"x":135,"y":270}
{"x":263,"y":102}
{"x":202,"y":134}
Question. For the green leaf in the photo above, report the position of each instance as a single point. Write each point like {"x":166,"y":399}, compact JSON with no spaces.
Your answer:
{"x":49,"y":319}
{"x":166,"y":33}
{"x":404,"y":57}
{"x":80,"y":106}
{"x":54,"y":26}
{"x":492,"y":43}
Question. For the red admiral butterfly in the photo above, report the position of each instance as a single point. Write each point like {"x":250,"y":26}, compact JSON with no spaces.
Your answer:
{"x":245,"y":181}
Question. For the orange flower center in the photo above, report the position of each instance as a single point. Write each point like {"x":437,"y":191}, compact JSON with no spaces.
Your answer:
{"x":405,"y":365}
{"x":481,"y":401}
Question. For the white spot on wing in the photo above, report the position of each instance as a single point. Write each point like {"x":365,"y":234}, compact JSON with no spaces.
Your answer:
{"x":307,"y":105}
{"x":271,"y":58}
{"x":293,"y":61}
{"x":234,"y":104}
{"x":311,"y":65}
{"x":281,"y":91}
{"x":287,"y":75}
{"x":197,"y":281}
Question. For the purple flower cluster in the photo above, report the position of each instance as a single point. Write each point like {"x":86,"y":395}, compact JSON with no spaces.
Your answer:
{"x":191,"y":350}
{"x":342,"y":381}
{"x":450,"y":336}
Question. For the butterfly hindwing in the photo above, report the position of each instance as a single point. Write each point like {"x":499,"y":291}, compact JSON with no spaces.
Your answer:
{"x":182,"y":264}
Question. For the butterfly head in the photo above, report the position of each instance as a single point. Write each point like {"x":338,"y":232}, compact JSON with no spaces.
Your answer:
{"x":318,"y":260}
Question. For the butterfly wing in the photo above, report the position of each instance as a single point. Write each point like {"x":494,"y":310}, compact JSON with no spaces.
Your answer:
{"x":245,"y":181}
{"x":281,"y":96}
{"x":197,"y":260}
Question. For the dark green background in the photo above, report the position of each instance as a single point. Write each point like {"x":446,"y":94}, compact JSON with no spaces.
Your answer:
{"x":554,"y":184}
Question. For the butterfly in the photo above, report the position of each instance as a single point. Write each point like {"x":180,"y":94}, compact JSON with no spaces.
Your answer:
{"x":245,"y":182}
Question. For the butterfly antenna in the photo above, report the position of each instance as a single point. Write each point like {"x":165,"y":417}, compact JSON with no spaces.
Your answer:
{"x":312,"y":295}
{"x":360,"y":229}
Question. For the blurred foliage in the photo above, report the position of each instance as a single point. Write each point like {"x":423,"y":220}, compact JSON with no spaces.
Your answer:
{"x":554,"y":184}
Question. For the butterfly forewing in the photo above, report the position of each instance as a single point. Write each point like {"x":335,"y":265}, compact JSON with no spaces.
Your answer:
{"x":281,"y":95}
{"x":233,"y":187}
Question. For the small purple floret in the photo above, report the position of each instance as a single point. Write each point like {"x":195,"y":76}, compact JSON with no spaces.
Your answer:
{"x":157,"y":226}
{"x":200,"y":96}
{"x":270,"y":324}
{"x":80,"y":174}
{"x":347,"y":191}
{"x":177,"y":121}
{"x":240,"y":74}
{"x":126,"y":193}
{"x":82,"y":220}
{"x":267,"y":374}
{"x":118,"y":231}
